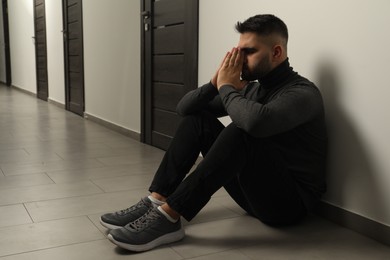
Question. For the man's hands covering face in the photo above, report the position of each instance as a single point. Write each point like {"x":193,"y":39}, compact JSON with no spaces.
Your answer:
{"x":229,"y":71}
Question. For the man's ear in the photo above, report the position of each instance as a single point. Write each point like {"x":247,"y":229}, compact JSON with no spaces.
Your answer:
{"x":277,"y":52}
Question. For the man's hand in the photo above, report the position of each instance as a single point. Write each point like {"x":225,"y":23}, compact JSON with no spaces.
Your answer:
{"x":215,"y":77}
{"x":230,"y":70}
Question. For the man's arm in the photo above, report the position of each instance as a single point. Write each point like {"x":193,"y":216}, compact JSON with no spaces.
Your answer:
{"x":204,"y":98}
{"x":295,"y":106}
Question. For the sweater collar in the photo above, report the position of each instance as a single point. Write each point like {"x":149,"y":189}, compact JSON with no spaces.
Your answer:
{"x":278,"y":75}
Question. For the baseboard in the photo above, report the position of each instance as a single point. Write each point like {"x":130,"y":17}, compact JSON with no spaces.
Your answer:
{"x":114,"y":127}
{"x":24,"y":91}
{"x":367,"y":227}
{"x":56,"y":103}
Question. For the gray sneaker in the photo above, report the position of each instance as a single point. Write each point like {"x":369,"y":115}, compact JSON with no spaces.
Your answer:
{"x":147,"y":232}
{"x":123,"y":217}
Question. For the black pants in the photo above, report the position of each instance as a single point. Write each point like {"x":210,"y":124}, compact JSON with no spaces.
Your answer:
{"x":250,"y":169}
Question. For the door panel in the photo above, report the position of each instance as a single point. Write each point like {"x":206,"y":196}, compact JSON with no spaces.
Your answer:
{"x":74,"y":56}
{"x":170,"y":12}
{"x":40,"y":49}
{"x":163,"y":43}
{"x":169,"y":64}
{"x":168,"y":68}
{"x":7,"y":52}
{"x":166,"y":96}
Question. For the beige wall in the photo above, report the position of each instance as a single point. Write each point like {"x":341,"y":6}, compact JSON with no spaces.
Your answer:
{"x":21,"y":30}
{"x":55,"y":53}
{"x":112,"y":61}
{"x":341,"y":46}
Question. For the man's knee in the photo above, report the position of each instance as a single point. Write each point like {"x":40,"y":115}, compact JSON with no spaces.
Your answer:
{"x":203,"y":122}
{"x":232,"y":131}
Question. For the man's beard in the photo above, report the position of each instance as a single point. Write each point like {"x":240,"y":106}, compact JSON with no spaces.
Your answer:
{"x":259,"y":71}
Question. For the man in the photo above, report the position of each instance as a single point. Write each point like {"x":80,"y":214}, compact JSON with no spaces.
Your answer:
{"x":270,"y":159}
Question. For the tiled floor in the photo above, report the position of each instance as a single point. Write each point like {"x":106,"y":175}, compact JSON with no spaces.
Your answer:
{"x":59,"y":173}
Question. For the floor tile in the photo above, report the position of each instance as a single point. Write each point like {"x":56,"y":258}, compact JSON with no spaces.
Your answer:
{"x":47,"y":192}
{"x":227,"y":202}
{"x":14,"y":215}
{"x":226,"y":255}
{"x":31,"y":237}
{"x":130,"y":159}
{"x":222,"y":235}
{"x":11,"y":155}
{"x":318,"y":239}
{"x":83,"y":205}
{"x":95,"y":250}
{"x":16,"y":169}
{"x":7,"y":182}
{"x":100,"y":172}
{"x":211,"y":212}
{"x":125,"y":182}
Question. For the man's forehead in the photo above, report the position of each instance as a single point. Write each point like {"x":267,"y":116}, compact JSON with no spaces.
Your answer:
{"x":249,"y":40}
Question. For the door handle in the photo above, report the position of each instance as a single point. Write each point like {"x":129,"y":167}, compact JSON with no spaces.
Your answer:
{"x":146,"y":16}
{"x":64,"y":33}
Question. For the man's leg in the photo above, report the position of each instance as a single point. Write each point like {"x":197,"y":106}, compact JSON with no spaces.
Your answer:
{"x":252,"y":171}
{"x":229,"y":155}
{"x":226,"y":158}
{"x":195,"y":134}
{"x":266,"y":189}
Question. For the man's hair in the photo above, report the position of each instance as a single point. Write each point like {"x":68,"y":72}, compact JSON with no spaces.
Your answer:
{"x":264,"y":25}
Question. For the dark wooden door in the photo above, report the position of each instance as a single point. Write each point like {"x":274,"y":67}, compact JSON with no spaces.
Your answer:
{"x":7,"y":51}
{"x":40,"y":49}
{"x":73,"y":56}
{"x":169,"y":64}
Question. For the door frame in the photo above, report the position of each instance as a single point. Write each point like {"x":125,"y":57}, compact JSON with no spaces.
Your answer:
{"x":192,"y":17}
{"x":146,"y":70}
{"x":7,"y":51}
{"x":45,"y":95}
{"x":68,"y":105}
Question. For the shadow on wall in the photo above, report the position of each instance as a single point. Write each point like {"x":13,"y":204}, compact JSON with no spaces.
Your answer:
{"x":352,"y":183}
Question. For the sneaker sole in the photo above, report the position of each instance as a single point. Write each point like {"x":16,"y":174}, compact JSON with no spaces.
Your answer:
{"x":109,"y":226}
{"x":165,"y":239}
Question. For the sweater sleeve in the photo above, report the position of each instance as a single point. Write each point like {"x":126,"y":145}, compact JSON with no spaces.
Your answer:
{"x":294,"y":106}
{"x":203,"y":98}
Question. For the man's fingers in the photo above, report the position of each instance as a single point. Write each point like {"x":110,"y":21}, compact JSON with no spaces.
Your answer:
{"x":239,"y":59}
{"x":224,"y":59}
{"x":234,"y":57}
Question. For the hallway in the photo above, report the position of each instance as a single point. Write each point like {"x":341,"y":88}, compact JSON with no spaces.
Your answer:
{"x":60,"y":172}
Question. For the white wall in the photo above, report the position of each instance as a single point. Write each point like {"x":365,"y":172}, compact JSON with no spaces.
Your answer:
{"x":21,"y":27}
{"x":55,"y":50}
{"x":342,"y":47}
{"x":112,"y":61}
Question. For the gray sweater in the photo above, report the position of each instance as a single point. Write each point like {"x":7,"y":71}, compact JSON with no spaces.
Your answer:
{"x":283,"y":107}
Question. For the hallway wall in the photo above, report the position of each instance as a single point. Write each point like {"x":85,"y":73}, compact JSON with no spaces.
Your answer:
{"x":55,"y":53}
{"x":21,"y":30}
{"x":112,"y":61}
{"x":342,"y":47}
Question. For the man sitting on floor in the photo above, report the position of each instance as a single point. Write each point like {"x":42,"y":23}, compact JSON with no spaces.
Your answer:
{"x":270,"y":159}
